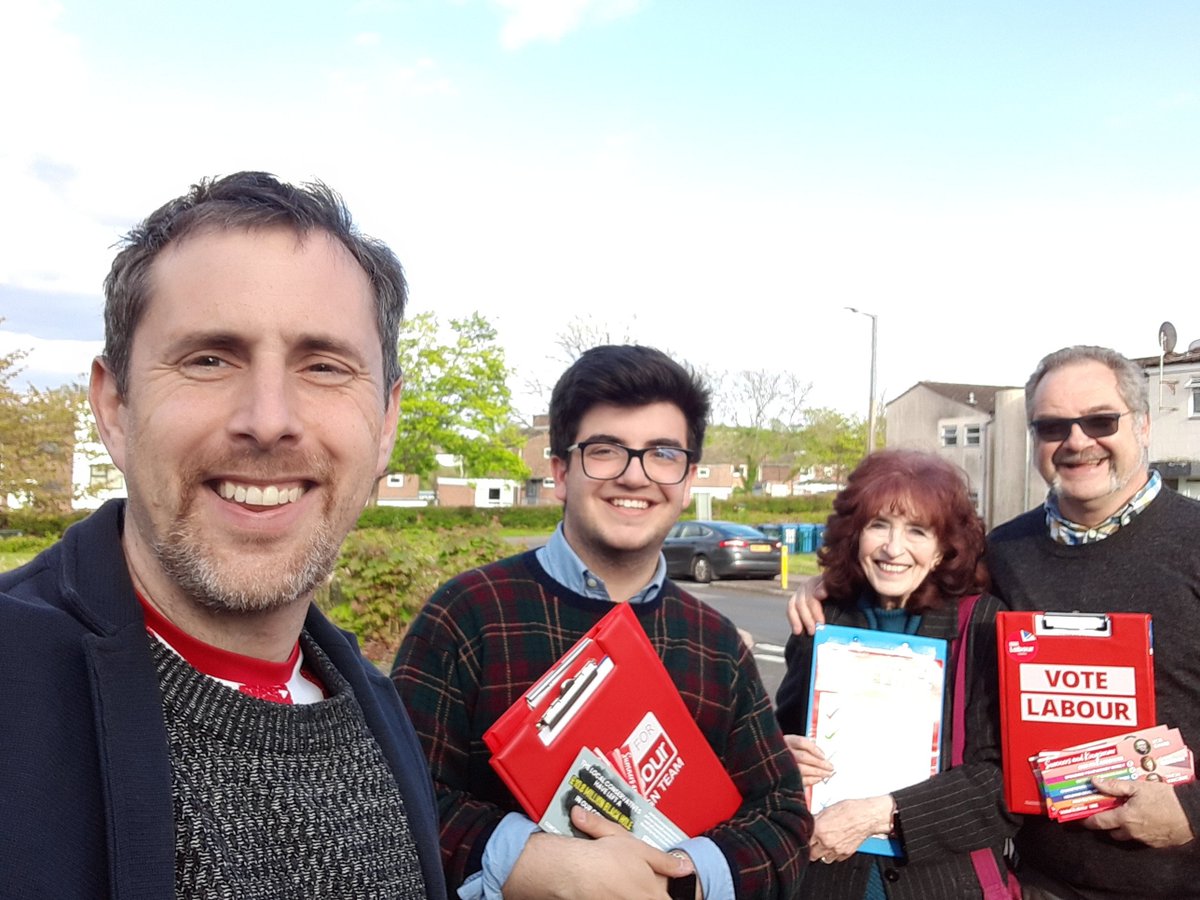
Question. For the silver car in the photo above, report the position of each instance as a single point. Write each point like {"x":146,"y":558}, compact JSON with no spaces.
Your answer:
{"x":703,"y":551}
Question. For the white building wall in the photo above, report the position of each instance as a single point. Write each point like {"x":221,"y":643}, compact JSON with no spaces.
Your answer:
{"x":87,"y":458}
{"x":1175,"y":423}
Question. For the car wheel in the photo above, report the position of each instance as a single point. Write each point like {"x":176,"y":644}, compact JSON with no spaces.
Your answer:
{"x":702,"y":570}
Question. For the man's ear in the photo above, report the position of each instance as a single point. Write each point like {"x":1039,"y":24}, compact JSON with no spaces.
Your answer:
{"x":1143,"y":432}
{"x":687,"y":484}
{"x":558,"y":470}
{"x":109,"y":410}
{"x":387,"y":434}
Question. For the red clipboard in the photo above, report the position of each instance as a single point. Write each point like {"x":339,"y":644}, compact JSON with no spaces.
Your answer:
{"x":1066,"y":679}
{"x":611,"y":693}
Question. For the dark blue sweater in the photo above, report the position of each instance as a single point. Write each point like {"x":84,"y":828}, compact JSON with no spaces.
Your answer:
{"x":85,"y":778}
{"x":1151,"y":565}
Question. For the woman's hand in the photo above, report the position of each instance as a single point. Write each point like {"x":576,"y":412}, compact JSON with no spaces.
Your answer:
{"x":809,"y":757}
{"x":838,"y":830}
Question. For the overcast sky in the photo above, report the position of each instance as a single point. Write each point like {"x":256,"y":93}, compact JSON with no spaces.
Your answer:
{"x":993,"y":180}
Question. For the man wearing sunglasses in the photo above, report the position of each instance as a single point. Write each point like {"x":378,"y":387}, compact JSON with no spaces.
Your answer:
{"x":1110,"y":538}
{"x":626,"y":428}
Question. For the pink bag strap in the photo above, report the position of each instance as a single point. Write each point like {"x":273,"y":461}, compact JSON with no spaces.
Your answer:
{"x":983,"y":860}
{"x":958,"y":719}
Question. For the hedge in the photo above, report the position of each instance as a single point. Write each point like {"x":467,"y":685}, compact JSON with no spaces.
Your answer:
{"x":41,"y":524}
{"x":529,"y":518}
{"x":384,"y":575}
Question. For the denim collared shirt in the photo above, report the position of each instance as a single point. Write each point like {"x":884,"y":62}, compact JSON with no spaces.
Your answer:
{"x":564,"y":566}
{"x":507,"y":842}
{"x":1064,"y":531}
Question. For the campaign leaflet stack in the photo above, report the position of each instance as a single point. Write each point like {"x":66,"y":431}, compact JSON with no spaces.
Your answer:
{"x":1068,"y":679}
{"x":594,"y":784}
{"x":611,"y":694}
{"x":1065,"y":776}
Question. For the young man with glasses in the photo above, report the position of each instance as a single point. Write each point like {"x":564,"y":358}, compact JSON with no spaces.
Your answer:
{"x":1110,"y":538}
{"x":626,"y":428}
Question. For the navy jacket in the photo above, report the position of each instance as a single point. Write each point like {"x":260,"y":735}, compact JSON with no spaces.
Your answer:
{"x":85,"y":776}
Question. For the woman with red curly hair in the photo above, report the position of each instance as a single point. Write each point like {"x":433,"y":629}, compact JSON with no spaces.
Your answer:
{"x":903,"y":546}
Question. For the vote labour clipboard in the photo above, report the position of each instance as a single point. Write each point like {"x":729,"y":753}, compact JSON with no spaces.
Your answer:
{"x":1067,"y":679}
{"x":875,"y":709}
{"x":610,"y":693}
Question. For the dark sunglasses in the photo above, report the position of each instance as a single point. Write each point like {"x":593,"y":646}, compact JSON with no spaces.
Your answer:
{"x":1097,"y":425}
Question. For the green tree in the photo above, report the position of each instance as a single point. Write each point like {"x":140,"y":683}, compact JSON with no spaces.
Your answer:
{"x":10,"y":418}
{"x":456,"y":400}
{"x":764,"y":413}
{"x":37,"y":440}
{"x":834,"y":441}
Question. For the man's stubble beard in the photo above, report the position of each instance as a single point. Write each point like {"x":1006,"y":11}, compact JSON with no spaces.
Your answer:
{"x":255,"y":584}
{"x":588,"y":539}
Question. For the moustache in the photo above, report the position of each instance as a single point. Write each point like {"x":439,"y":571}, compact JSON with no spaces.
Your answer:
{"x":1070,"y":458}
{"x":257,"y":465}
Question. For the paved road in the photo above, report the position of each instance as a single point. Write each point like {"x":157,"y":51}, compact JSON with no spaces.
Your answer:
{"x":759,"y":608}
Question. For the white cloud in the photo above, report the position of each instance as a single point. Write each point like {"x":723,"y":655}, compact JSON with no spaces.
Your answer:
{"x":50,"y":363}
{"x":528,"y":21}
{"x":1179,"y":100}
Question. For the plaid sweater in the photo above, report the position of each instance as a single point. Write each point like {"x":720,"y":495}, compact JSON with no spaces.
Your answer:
{"x":488,"y":634}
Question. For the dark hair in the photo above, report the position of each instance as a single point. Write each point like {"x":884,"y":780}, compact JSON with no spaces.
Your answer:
{"x":246,"y":200}
{"x":625,"y":375}
{"x":920,"y":485}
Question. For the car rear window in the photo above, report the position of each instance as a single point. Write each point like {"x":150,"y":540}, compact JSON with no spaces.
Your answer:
{"x":743,"y":531}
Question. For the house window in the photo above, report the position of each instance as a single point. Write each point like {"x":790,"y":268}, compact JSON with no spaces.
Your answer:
{"x":545,"y":453}
{"x":106,"y":477}
{"x":973,"y":435}
{"x":494,"y":495}
{"x":702,"y":472}
{"x":949,"y":435}
{"x":395,"y":481}
{"x":1194,"y":397}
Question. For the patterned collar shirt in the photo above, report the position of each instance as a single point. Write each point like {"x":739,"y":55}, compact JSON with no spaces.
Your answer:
{"x":1064,"y":531}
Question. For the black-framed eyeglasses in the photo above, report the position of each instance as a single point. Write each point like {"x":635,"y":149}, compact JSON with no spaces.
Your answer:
{"x":604,"y":461}
{"x":1096,"y":425}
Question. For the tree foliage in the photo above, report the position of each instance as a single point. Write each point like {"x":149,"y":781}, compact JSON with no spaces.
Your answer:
{"x":581,"y":333}
{"x":584,"y":332}
{"x":833,"y":441}
{"x":37,"y":440}
{"x":456,"y":400}
{"x":764,"y":411}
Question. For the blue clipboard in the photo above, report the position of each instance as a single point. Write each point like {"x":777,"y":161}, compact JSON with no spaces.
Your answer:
{"x":860,"y":672}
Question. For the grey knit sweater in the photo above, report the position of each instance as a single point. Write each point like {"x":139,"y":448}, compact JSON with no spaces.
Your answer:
{"x":277,"y":801}
{"x":1150,"y":565}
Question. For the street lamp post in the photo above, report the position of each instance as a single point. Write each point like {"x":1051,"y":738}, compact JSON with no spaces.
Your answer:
{"x":874,"y":345}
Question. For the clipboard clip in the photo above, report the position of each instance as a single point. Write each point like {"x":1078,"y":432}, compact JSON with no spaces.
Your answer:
{"x":537,"y":693}
{"x":573,"y":692}
{"x":1073,"y":624}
